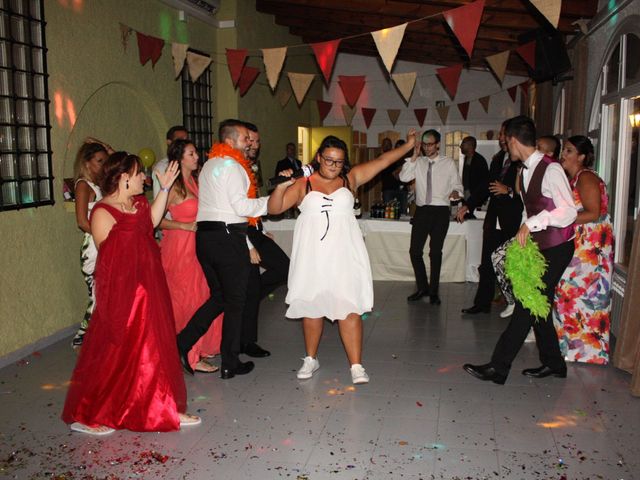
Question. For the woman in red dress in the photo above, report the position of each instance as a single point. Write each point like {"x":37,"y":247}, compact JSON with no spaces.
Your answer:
{"x":128,"y":374}
{"x":187,"y":284}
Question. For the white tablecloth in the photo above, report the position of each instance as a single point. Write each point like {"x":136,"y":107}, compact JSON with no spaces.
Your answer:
{"x":388,"y":241}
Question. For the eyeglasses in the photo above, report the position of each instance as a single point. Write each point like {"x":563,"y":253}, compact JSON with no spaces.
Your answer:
{"x":331,"y":162}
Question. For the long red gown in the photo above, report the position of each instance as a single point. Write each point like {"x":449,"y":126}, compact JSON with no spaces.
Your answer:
{"x":187,"y":283}
{"x":128,"y":374}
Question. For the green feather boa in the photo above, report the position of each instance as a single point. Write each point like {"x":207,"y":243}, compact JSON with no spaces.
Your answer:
{"x":524,"y":268}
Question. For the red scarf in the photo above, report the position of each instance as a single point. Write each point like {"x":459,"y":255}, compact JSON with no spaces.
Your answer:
{"x":224,"y":150}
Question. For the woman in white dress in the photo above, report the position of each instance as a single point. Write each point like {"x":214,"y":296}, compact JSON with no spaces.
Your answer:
{"x":330,"y":274}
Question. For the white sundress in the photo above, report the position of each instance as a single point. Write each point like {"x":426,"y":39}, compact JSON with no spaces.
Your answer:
{"x":330,"y":273}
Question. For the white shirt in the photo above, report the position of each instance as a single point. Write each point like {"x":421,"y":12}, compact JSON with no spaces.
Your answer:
{"x":444,"y":179}
{"x":223,"y":193}
{"x":555,"y":186}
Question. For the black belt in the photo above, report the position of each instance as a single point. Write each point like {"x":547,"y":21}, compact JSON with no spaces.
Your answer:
{"x":259,"y":227}
{"x":433,"y":206}
{"x":217,"y":226}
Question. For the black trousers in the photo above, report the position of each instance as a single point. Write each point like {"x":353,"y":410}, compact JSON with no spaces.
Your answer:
{"x":433,"y":222}
{"x":513,"y":337}
{"x":223,"y":254}
{"x":276,"y":269}
{"x":491,"y":239}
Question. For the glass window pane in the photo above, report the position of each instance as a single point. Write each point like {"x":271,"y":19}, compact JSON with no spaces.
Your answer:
{"x":6,"y":113}
{"x":26,"y":142}
{"x":38,"y":85}
{"x":5,"y":85}
{"x":41,"y":113}
{"x":21,"y":84}
{"x":10,"y":193}
{"x":23,"y":112}
{"x":36,"y":60}
{"x":4,"y":56}
{"x":7,"y":167}
{"x":28,"y":191}
{"x":43,"y":165}
{"x":20,"y":54}
{"x":7,"y":140}
{"x":41,"y":136}
{"x":36,"y":34}
{"x":35,"y":9}
{"x":27,"y":166}
{"x":45,"y":190}
{"x":633,"y":60}
{"x":18,"y":6}
{"x":633,"y":199}
{"x":17,"y":29}
{"x":613,"y":70}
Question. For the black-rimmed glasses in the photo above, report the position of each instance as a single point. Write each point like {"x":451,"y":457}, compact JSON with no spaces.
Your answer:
{"x":331,"y":162}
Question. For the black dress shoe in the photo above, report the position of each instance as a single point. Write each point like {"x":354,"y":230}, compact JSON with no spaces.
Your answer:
{"x":254,"y":350}
{"x":184,"y":360}
{"x":476,"y":309}
{"x":485,"y":372}
{"x":434,"y":300}
{"x":417,"y":296}
{"x":241,"y":369}
{"x":544,"y":371}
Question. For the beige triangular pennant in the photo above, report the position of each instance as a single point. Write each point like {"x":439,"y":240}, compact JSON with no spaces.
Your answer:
{"x":393,"y":115}
{"x":197,"y":65}
{"x":498,"y":63}
{"x":284,"y":95}
{"x":388,"y":41}
{"x":550,"y":9}
{"x":179,"y":54}
{"x":125,"y":33}
{"x":484,"y":101}
{"x":405,"y":83}
{"x":300,"y":83}
{"x":348,"y":113}
{"x":443,"y":112}
{"x":273,"y":61}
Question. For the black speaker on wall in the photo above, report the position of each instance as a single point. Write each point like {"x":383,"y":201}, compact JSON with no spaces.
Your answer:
{"x":552,"y":60}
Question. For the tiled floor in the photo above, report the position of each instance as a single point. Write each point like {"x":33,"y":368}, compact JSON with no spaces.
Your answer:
{"x":421,"y":416}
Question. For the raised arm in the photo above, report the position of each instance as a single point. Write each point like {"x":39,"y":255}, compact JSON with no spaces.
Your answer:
{"x":285,"y":196}
{"x":166,"y":179}
{"x":361,"y":174}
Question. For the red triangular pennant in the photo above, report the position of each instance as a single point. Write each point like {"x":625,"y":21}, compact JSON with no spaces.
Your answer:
{"x":524,"y":87}
{"x":449,"y":76}
{"x":351,"y":86}
{"x":464,"y":109}
{"x":513,"y":91}
{"x":368,"y":114}
{"x":247,"y":77}
{"x":528,"y":53}
{"x":464,"y":22}
{"x":323,"y":109}
{"x":421,"y":114}
{"x":235,"y":61}
{"x":325,"y":53}
{"x":149,"y":48}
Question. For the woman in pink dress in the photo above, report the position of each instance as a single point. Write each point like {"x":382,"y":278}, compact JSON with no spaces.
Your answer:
{"x":187,"y":284}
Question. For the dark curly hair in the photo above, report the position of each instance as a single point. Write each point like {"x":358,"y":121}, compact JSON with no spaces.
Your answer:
{"x":117,"y":164}
{"x":333,"y":142}
{"x":584,"y":147}
{"x":175,"y":152}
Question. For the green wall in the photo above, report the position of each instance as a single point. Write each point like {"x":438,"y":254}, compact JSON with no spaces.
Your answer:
{"x":111,"y":96}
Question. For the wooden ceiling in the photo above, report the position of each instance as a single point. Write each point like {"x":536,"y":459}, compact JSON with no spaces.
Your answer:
{"x":429,"y":41}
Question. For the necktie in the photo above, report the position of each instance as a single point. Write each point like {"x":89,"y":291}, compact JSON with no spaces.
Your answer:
{"x":505,"y":167}
{"x":429,"y":184}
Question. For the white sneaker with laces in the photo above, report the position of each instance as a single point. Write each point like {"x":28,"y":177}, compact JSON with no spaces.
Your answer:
{"x":358,"y":375}
{"x":507,"y":312}
{"x":309,"y":366}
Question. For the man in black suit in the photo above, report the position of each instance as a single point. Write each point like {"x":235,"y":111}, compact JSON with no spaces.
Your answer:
{"x":475,"y":173}
{"x":290,"y":161}
{"x":501,"y":223}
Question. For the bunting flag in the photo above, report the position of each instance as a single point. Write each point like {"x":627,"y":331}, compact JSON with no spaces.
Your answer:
{"x":351,"y":86}
{"x":150,"y":48}
{"x":235,"y":61}
{"x":388,"y":42}
{"x":273,"y":61}
{"x":513,"y":91}
{"x":197,"y":65}
{"x":528,"y":53}
{"x":484,"y":101}
{"x":179,"y":54}
{"x":323,"y":109}
{"x":368,"y":114}
{"x":405,"y":83}
{"x":393,"y":115}
{"x":524,"y":87}
{"x":464,"y":22}
{"x":300,"y":83}
{"x":247,"y":77}
{"x":498,"y":64}
{"x":284,"y":95}
{"x":348,"y":113}
{"x":125,"y":33}
{"x":325,"y":53}
{"x":464,"y":109}
{"x":550,"y":9}
{"x":443,"y":112}
{"x":421,"y":114}
{"x":450,"y":76}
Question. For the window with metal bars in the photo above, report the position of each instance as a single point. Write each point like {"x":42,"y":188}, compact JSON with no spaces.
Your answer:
{"x":196,"y":110}
{"x":26,"y":177}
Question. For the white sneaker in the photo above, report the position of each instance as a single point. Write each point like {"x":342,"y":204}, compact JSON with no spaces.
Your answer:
{"x":309,"y":366}
{"x":531,"y":337}
{"x":358,"y":375}
{"x":507,"y":312}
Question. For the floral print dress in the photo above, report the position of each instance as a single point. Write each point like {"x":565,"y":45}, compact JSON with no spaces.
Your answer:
{"x":583,"y":296}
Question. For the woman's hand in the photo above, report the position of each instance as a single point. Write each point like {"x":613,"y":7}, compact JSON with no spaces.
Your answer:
{"x":286,"y":173}
{"x":522,"y":235}
{"x":498,"y":188}
{"x":254,"y":256}
{"x":411,"y":136}
{"x":416,"y":148}
{"x":169,"y":176}
{"x":189,"y":226}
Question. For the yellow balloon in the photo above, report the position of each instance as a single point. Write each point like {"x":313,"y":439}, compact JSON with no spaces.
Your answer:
{"x":147,"y":156}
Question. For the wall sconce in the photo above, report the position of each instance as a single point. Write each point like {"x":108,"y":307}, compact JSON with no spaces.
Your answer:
{"x":634,"y":118}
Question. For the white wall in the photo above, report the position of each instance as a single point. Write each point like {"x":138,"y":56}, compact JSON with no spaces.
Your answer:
{"x":380,"y":93}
